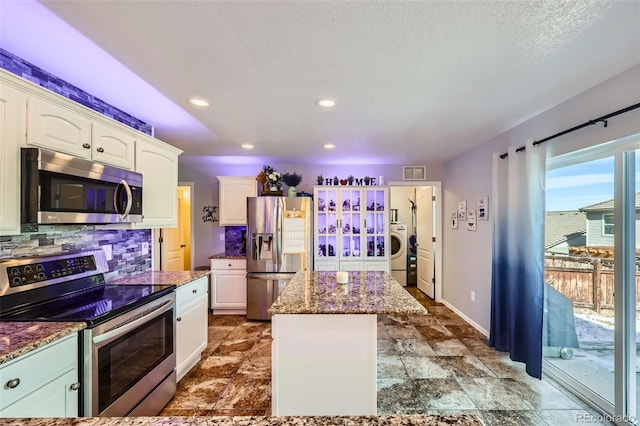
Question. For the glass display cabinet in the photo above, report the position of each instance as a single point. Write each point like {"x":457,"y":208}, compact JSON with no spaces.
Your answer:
{"x":351,"y":228}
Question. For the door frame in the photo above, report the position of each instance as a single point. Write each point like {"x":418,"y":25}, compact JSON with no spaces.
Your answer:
{"x":437,"y":192}
{"x":155,"y":233}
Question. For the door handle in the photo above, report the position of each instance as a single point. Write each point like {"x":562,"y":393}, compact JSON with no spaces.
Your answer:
{"x":183,"y":245}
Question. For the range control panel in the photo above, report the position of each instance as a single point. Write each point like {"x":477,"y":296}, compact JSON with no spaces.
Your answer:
{"x":45,"y":270}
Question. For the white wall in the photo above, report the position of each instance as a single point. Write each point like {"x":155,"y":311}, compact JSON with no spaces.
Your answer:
{"x":203,"y":171}
{"x":467,"y":255}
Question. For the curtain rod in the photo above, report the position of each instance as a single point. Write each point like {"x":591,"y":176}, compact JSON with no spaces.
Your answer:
{"x":603,"y":119}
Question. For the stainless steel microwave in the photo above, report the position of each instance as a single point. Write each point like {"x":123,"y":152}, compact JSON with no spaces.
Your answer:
{"x":60,"y":189}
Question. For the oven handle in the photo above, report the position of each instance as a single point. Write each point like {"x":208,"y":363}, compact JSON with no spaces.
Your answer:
{"x":136,"y":321}
{"x":127,"y":209}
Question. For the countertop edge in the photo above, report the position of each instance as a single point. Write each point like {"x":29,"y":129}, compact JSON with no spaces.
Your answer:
{"x":385,"y":420}
{"x":57,"y":331}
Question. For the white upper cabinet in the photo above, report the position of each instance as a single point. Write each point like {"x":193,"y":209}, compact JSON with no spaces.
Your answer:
{"x":13,"y":112}
{"x":158,"y":163}
{"x":112,"y":146}
{"x":53,"y":126}
{"x":233,"y":193}
{"x":56,"y":125}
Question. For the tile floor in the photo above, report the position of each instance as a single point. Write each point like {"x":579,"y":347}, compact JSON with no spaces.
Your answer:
{"x":433,"y":364}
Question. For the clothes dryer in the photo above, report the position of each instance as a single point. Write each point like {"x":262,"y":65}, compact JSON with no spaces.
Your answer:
{"x":398,"y":234}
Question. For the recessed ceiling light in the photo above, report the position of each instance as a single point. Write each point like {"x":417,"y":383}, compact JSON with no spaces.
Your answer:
{"x":325,"y":103}
{"x":247,"y":146}
{"x":329,"y":146}
{"x":199,"y":102}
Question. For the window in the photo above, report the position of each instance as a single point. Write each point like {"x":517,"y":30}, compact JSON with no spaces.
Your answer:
{"x":607,"y":224}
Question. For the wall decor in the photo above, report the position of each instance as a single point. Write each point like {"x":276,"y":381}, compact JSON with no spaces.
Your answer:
{"x":208,"y":214}
{"x":350,"y":180}
{"x":454,"y":219}
{"x":462,"y":210}
{"x":471,"y":220}
{"x":483,"y":208}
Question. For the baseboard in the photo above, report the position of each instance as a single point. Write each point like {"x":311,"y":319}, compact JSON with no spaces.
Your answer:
{"x":466,"y":318}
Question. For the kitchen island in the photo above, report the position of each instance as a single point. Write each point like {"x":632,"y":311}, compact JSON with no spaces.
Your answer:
{"x":325,"y":341}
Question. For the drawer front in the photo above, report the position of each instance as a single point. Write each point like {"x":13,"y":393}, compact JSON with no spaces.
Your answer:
{"x":228,"y":264}
{"x":38,"y":368}
{"x":187,"y":292}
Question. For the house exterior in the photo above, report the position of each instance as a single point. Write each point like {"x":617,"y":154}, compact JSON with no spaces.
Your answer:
{"x":601,"y":224}
{"x":564,"y":229}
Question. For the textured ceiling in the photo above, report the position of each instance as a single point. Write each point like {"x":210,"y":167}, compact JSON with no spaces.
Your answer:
{"x":415,"y":82}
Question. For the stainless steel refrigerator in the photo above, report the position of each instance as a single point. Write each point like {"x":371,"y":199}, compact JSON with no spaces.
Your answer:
{"x":278,"y":245}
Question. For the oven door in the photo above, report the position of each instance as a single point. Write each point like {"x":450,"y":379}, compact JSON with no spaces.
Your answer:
{"x":130,"y":361}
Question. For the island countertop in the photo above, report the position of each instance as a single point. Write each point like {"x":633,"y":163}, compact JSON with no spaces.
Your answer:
{"x":367,"y":292}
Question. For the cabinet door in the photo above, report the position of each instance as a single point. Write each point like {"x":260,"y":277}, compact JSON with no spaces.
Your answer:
{"x":13,"y":114}
{"x":228,"y":290}
{"x":233,"y":192}
{"x":327,"y":266}
{"x":350,"y":224}
{"x":191,"y":334}
{"x":58,"y":128}
{"x":57,"y":398}
{"x":158,"y":163}
{"x":376,"y":222}
{"x":326,"y":239}
{"x":112,"y":146}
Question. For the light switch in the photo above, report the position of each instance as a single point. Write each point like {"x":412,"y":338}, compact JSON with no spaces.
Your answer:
{"x":108,"y":251}
{"x":145,"y":248}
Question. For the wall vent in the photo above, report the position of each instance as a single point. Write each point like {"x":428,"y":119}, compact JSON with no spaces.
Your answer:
{"x":414,"y":172}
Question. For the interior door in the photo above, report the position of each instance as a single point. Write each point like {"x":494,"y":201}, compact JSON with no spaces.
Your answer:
{"x":424,"y":236}
{"x":172,"y":247}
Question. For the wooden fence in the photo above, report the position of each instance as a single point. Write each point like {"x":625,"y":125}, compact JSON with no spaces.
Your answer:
{"x":587,"y":281}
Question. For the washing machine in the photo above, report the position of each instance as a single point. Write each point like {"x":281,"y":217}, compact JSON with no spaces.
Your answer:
{"x":398,"y":234}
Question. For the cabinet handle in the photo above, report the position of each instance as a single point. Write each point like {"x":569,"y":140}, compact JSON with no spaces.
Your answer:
{"x":195,"y":290}
{"x":75,"y":386}
{"x":101,"y":149}
{"x":179,"y":319}
{"x":12,"y":384}
{"x":86,"y":146}
{"x":229,"y":265}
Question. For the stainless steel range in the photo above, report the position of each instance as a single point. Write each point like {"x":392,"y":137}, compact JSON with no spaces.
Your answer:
{"x":127,"y":352}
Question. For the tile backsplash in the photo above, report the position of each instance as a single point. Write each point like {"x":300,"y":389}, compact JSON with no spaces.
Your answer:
{"x":28,"y":71}
{"x":126,"y":246}
{"x":233,"y":241}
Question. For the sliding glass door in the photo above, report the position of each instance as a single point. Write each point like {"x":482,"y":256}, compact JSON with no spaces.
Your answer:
{"x":591,"y":276}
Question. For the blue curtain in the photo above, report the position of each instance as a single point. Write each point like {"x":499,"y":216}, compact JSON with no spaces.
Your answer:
{"x":517,"y":290}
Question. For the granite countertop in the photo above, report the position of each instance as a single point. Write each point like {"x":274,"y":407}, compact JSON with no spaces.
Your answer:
{"x":228,"y":256}
{"x":19,"y":338}
{"x":176,"y":278}
{"x":368,"y":292}
{"x":412,"y":419}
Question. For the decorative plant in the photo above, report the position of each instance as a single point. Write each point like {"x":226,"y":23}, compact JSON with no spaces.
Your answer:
{"x":350,"y":179}
{"x":320,"y":180}
{"x":366,"y":180}
{"x":292,"y":179}
{"x":263,"y":175}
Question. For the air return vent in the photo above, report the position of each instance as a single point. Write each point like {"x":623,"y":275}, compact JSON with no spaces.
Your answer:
{"x":414,"y":172}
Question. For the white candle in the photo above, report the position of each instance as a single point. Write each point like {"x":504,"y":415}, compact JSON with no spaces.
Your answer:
{"x":342,"y":277}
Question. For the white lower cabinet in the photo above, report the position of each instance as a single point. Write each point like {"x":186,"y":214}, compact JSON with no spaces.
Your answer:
{"x":351,"y":265}
{"x":42,"y":383}
{"x":229,"y":286}
{"x":191,"y":324}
